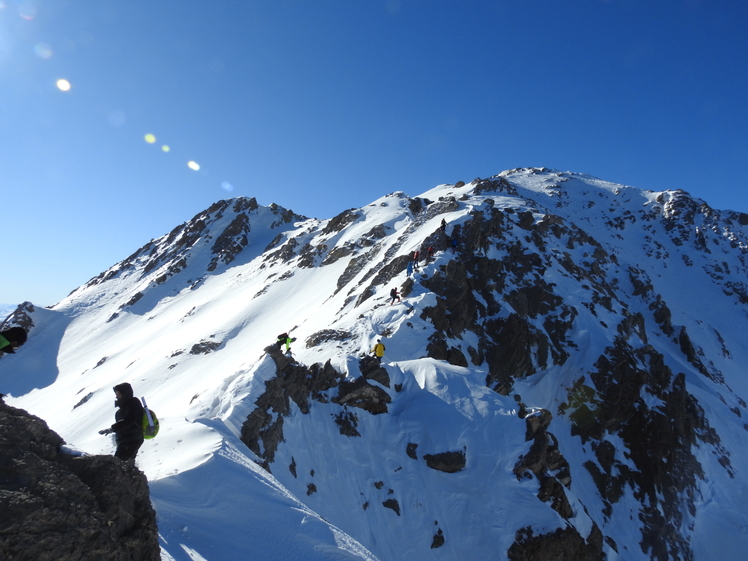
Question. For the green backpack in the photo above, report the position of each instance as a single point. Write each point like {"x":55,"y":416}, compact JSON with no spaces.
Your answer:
{"x":150,"y":422}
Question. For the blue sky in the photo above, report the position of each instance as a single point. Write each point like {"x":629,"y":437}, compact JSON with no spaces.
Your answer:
{"x":325,"y":105}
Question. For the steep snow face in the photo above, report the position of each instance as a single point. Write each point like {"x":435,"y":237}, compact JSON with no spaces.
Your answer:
{"x":562,"y":372}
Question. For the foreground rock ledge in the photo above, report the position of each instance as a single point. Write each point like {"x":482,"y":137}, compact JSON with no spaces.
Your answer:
{"x":58,"y":507}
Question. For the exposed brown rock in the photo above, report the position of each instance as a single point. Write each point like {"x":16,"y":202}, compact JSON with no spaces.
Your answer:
{"x":57,"y":507}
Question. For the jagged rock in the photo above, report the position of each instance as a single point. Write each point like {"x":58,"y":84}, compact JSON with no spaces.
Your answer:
{"x":327,"y":335}
{"x":56,"y":507}
{"x":371,"y":369}
{"x":363,"y":395}
{"x":20,"y":317}
{"x":552,"y":491}
{"x":448,"y":462}
{"x":392,"y":504}
{"x":565,"y":544}
{"x":537,"y":423}
{"x":262,"y":431}
{"x":658,"y":441}
{"x":204,"y":347}
{"x":347,"y":422}
{"x":385,"y":274}
{"x":338,"y":252}
{"x":410,"y":450}
{"x":493,"y":185}
{"x":233,"y":239}
{"x":438,"y":540}
{"x":543,"y":459}
{"x":341,"y":221}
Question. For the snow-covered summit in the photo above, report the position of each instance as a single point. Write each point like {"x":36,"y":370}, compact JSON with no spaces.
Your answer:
{"x":564,"y":370}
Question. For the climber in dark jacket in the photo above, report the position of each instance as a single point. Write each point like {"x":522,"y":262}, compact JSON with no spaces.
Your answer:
{"x":128,"y":428}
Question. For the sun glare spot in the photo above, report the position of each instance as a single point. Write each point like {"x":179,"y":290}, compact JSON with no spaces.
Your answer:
{"x":27,"y":11}
{"x":63,"y":85}
{"x":193,"y":165}
{"x":165,"y":148}
{"x":43,"y":50}
{"x":149,"y":138}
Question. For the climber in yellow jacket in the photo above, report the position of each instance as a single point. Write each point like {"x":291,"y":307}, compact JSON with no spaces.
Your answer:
{"x":378,"y":350}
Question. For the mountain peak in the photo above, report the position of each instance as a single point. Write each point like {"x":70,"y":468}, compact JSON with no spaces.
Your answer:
{"x":563,"y":369}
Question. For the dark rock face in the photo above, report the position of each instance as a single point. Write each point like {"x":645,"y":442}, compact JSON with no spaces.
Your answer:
{"x":327,"y":335}
{"x":565,"y":544}
{"x":448,"y":462}
{"x":56,"y":507}
{"x":659,"y":441}
{"x":262,"y":432}
{"x":545,"y":462}
{"x":363,"y":395}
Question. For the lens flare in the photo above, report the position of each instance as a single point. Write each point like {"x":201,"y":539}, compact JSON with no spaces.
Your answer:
{"x":165,"y":148}
{"x":63,"y":85}
{"x":226,"y":186}
{"x":27,"y":11}
{"x":43,"y":50}
{"x":193,"y":165}
{"x":149,"y":138}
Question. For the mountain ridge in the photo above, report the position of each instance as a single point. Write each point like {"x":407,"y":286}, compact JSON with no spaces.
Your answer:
{"x":578,"y":317}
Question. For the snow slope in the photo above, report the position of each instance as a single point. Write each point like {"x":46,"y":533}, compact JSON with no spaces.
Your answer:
{"x":186,"y":321}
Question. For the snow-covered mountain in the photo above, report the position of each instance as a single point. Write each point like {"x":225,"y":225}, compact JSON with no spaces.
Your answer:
{"x":569,"y":377}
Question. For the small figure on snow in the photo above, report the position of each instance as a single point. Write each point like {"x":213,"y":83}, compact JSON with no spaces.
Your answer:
{"x":410,"y":268}
{"x":378,"y":350}
{"x":429,"y":253}
{"x":284,"y":339}
{"x":395,"y":296}
{"x":128,"y":426}
{"x":443,"y":227}
{"x":454,"y":245}
{"x":416,"y":259}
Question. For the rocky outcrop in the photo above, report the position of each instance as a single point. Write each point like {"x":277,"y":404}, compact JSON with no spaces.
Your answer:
{"x":448,"y":462}
{"x":562,"y":545}
{"x":545,"y":462}
{"x":59,"y":507}
{"x":262,"y":432}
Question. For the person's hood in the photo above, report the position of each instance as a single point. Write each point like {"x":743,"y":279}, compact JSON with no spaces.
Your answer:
{"x":125,"y":389}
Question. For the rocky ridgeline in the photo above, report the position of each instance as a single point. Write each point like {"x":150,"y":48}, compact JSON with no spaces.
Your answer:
{"x":523,"y":325}
{"x":217,"y":234}
{"x":59,"y":507}
{"x":535,"y":336}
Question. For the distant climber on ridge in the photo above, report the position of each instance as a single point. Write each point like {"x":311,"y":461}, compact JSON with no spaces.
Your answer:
{"x":378,"y":350}
{"x":395,"y":296}
{"x":284,"y":339}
